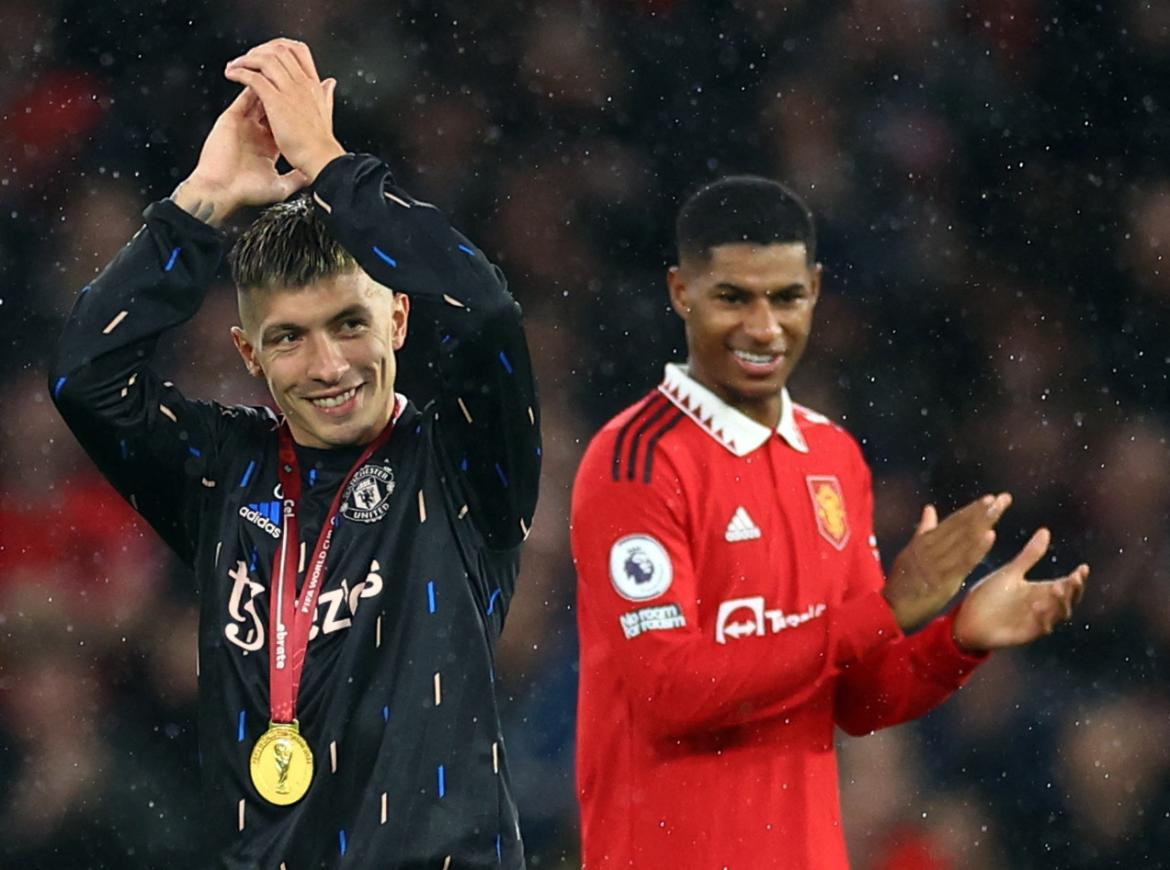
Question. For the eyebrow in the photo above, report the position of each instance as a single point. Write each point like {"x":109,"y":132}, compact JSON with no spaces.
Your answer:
{"x":271,"y":331}
{"x":355,"y":310}
{"x":727,"y":285}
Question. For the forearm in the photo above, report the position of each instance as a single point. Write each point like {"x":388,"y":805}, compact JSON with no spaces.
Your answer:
{"x":402,"y":243}
{"x":692,"y":684}
{"x":156,"y":282}
{"x":489,"y":418}
{"x":203,"y":201}
{"x":144,"y":436}
{"x":903,"y":680}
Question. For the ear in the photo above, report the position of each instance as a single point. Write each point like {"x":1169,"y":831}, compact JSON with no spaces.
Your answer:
{"x":818,"y":272}
{"x":676,"y":284}
{"x":247,"y":352}
{"x":399,"y":319}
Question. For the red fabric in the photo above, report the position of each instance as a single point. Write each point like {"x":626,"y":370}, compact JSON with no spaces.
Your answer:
{"x":50,"y":120}
{"x":701,"y":753}
{"x":911,"y":850}
{"x":79,"y":532}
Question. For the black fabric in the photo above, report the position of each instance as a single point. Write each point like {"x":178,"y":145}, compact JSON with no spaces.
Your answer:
{"x":398,"y":682}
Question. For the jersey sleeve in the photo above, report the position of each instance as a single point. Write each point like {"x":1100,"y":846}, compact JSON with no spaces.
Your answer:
{"x":148,"y":440}
{"x":487,"y":415}
{"x":639,"y":595}
{"x":909,"y":676}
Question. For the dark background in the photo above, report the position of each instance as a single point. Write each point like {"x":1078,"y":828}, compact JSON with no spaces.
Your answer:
{"x":992,"y":186}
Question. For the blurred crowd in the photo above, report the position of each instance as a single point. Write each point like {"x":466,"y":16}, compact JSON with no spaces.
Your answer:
{"x":991,"y":180}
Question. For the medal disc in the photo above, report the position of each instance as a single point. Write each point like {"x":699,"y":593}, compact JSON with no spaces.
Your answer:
{"x":282,"y":764}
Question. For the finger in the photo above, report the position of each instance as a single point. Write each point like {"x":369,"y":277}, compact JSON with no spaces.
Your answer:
{"x":964,"y":523}
{"x":304,"y":57}
{"x":291,"y":182}
{"x":999,"y":505}
{"x":284,"y":54}
{"x":267,"y":44}
{"x":242,"y":103}
{"x":958,"y":547}
{"x":1065,"y":600}
{"x":1076,"y":584}
{"x":275,"y":62}
{"x":330,"y":87}
{"x":257,"y":82}
{"x":928,"y":520}
{"x":252,"y":107}
{"x":1045,"y":610}
{"x":1083,"y":572}
{"x":1032,"y":552}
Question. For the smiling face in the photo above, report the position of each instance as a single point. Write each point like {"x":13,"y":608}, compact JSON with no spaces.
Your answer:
{"x":748,"y":310}
{"x":327,"y":353}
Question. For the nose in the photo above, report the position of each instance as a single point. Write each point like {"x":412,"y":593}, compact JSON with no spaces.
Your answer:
{"x":761,"y":323}
{"x":327,"y":363}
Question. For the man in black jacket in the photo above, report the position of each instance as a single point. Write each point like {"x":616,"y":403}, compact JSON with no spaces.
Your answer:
{"x":355,"y":554}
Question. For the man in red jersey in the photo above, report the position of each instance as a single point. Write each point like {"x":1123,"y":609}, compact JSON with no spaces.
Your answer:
{"x":732,"y":605}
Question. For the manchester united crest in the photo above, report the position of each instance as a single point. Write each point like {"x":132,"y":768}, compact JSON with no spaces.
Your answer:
{"x":828,"y":503}
{"x":367,"y":498}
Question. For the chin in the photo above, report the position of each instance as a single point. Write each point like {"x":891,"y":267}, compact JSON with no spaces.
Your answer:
{"x":345,"y":436}
{"x":754,"y":390}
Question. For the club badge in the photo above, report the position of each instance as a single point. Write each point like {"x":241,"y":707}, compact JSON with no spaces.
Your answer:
{"x":828,"y":503}
{"x":367,"y":498}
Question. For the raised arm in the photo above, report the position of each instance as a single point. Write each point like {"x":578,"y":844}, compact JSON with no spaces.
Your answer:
{"x":155,"y":446}
{"x":488,"y":419}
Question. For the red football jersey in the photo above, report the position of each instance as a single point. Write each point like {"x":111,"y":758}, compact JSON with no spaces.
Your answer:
{"x":730,"y":614}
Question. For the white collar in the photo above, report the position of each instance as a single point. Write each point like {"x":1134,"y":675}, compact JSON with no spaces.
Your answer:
{"x":733,"y":429}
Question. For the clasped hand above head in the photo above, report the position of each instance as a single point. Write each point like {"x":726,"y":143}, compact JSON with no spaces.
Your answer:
{"x":297,"y":104}
{"x":284,"y":109}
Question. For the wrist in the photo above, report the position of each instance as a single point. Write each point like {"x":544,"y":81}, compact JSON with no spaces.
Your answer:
{"x":963,"y":641}
{"x":203,"y":200}
{"x":320,"y":158}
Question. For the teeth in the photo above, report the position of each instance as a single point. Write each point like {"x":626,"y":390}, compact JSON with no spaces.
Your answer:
{"x":760,"y":359}
{"x":334,"y":401}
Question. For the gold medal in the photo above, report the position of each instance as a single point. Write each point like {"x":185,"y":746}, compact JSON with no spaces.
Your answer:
{"x":282,"y":764}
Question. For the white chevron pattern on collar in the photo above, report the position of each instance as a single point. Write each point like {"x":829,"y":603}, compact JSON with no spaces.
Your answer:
{"x":733,"y":429}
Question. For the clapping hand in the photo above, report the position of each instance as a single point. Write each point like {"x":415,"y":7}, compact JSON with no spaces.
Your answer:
{"x":1006,"y":609}
{"x":931,"y":569}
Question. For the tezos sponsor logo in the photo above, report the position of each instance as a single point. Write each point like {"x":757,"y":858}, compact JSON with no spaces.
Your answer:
{"x":746,"y":617}
{"x":662,"y":618}
{"x":640,"y":567}
{"x":367,"y":498}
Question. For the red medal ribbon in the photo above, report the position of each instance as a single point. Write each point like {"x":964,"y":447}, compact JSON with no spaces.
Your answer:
{"x":290,"y":618}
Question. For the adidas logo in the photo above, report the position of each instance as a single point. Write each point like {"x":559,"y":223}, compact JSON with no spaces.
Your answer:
{"x":265,"y":514}
{"x":741,"y":527}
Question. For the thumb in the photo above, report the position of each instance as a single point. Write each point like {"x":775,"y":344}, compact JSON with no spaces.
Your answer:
{"x":1033,"y":551}
{"x":928,"y":521}
{"x":291,"y":182}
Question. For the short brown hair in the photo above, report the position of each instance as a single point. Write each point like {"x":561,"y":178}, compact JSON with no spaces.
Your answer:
{"x":287,"y":246}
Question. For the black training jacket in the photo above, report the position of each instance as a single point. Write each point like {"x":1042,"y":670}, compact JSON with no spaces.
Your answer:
{"x":397,"y":698}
